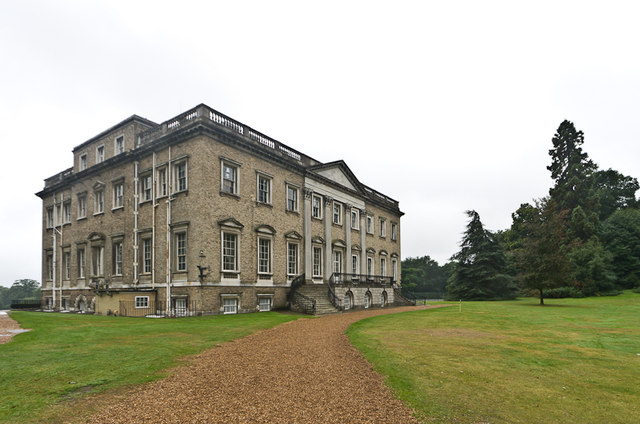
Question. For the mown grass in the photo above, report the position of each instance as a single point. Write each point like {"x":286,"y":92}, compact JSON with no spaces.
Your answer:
{"x":571,"y":361}
{"x":66,"y":356}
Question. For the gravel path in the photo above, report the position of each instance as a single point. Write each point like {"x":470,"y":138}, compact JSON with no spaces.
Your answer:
{"x":8,"y":328}
{"x":303,"y":371}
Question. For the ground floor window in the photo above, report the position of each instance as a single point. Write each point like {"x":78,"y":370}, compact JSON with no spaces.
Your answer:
{"x":180,"y":305}
{"x":347,"y":301}
{"x":367,"y":300}
{"x":230,"y":305}
{"x":265,"y":304}
{"x":383,"y":299}
{"x":142,"y":301}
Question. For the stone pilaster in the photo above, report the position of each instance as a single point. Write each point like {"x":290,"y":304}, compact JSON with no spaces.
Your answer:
{"x":328,"y":219}
{"x":308,"y":251}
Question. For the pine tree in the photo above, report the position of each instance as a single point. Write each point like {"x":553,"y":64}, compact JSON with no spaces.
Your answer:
{"x":480,"y":266}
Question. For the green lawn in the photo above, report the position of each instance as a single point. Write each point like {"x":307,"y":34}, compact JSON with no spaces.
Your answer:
{"x":571,"y":361}
{"x":67,"y":355}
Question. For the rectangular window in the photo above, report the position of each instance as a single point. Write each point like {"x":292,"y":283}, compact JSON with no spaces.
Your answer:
{"x":181,"y":251}
{"x":49,"y":267}
{"x":81,"y":262}
{"x":229,"y":252}
{"x":82,"y":206}
{"x":264,"y":189}
{"x":118,"y":146}
{"x":146,"y":255}
{"x":83,"y":162}
{"x":66,"y":213}
{"x":292,"y":259}
{"x":180,"y":171}
{"x":117,"y":258}
{"x":264,"y":256}
{"x":394,"y":231}
{"x":317,"y":262}
{"x":50,"y":217}
{"x":142,"y":301}
{"x":118,"y":195}
{"x":292,"y":198}
{"x":67,"y":265}
{"x":355,"y":219}
{"x":316,"y":206}
{"x":383,"y":227}
{"x":337,"y":213}
{"x":162,"y":182}
{"x":355,"y":262}
{"x":394,"y":269}
{"x":229,"y":178}
{"x":99,"y":202}
{"x":369,"y":224}
{"x":100,"y":154}
{"x":337,"y":261}
{"x":230,"y":305}
{"x":383,"y":267}
{"x":265,"y":304}
{"x":146,"y":188}
{"x":58,"y":215}
{"x":369,"y":266}
{"x":97,"y":260}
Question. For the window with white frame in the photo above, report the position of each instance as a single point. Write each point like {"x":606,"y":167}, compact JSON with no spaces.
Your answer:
{"x":394,"y":231}
{"x":337,"y":261}
{"x":316,"y":206}
{"x":49,"y":267}
{"x":337,"y":213}
{"x":370,"y":224}
{"x":82,"y":206}
{"x":58,"y":215}
{"x":118,"y":195}
{"x":229,"y":178}
{"x":383,"y":266}
{"x":230,"y":305}
{"x":162,"y":182}
{"x":146,"y":255}
{"x":355,"y":264}
{"x":118,"y":145}
{"x":83,"y":162}
{"x":229,"y":252}
{"x":98,"y":204}
{"x":50,"y":217}
{"x":180,"y":175}
{"x":383,"y":227}
{"x":394,"y":269}
{"x":264,"y":255}
{"x":117,"y":258}
{"x":67,"y":265}
{"x":146,"y":182}
{"x":264,"y":189}
{"x":292,"y":259}
{"x":97,"y":261}
{"x":100,"y":153}
{"x":142,"y":301}
{"x":292,"y":198}
{"x":66,"y":213}
{"x":317,"y":261}
{"x":265,"y":303}
{"x":355,"y":219}
{"x":369,"y":266}
{"x":181,"y":251}
{"x":81,"y":262}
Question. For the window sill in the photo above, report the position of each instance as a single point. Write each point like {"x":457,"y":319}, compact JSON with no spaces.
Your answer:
{"x":117,"y":209}
{"x":316,"y":218}
{"x":82,"y":218}
{"x":292,"y":212}
{"x":185,"y":192}
{"x":227,"y":194}
{"x":98,"y":213}
{"x":268,"y":205}
{"x":337,"y":225}
{"x":145,"y":201}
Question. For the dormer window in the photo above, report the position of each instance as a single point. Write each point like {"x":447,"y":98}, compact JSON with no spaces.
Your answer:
{"x":83,"y":162}
{"x":118,"y":146}
{"x":100,"y":154}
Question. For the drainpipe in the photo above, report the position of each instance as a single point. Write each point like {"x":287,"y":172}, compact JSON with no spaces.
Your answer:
{"x":153,"y":223}
{"x":55,"y":248}
{"x":62,"y":264}
{"x":168,"y":237}
{"x":135,"y":223}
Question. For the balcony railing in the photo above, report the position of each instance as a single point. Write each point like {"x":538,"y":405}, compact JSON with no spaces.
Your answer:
{"x":342,"y":278}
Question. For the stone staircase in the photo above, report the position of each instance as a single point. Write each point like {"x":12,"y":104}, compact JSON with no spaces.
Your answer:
{"x":319,"y":292}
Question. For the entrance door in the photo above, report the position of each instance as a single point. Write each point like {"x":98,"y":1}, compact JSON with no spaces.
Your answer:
{"x":181,"y":307}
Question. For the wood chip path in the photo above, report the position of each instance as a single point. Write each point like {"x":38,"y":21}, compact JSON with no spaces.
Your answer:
{"x":8,"y":328}
{"x":303,"y":371}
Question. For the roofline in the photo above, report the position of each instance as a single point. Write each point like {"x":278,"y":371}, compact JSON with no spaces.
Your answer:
{"x":132,"y":118}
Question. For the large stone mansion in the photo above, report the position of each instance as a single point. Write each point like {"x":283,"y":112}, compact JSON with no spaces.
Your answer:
{"x":203,"y":214}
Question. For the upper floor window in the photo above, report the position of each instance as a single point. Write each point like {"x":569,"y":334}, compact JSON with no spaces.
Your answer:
{"x":117,"y":258}
{"x":49,"y":267}
{"x":162,"y":182}
{"x":118,"y":195}
{"x":292,"y":259}
{"x":355,"y":219}
{"x":317,"y":261}
{"x":369,"y":224}
{"x":118,"y":146}
{"x":66,"y":256}
{"x":383,"y":266}
{"x":264,"y":189}
{"x":97,"y":260}
{"x":180,"y":172}
{"x":229,"y":178}
{"x":316,"y":206}
{"x":229,"y":252}
{"x":146,"y":188}
{"x":355,"y":264}
{"x":50,"y":217}
{"x":337,"y":213}
{"x":81,"y":262}
{"x":394,"y":269}
{"x":394,"y":231}
{"x":264,"y":255}
{"x":98,"y":205}
{"x":181,"y":251}
{"x":292,"y":198}
{"x":100,"y":153}
{"x":82,"y":206}
{"x":83,"y":162}
{"x":383,"y":227}
{"x":146,"y":255}
{"x":369,"y":266}
{"x":66,"y":213}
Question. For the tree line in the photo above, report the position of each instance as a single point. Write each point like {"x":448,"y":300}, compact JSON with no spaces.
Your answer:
{"x":582,"y":239}
{"x":24,"y":289}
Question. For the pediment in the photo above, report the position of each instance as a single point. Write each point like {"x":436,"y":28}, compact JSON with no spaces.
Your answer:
{"x":293,"y":235}
{"x":231,"y":223}
{"x":339,"y":173}
{"x":265,"y":229}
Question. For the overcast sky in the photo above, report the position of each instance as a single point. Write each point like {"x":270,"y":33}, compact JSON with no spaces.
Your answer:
{"x":444,"y":106}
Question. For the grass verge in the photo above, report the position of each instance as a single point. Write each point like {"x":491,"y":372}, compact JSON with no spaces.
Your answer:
{"x":67,"y":356}
{"x":573,"y":360}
